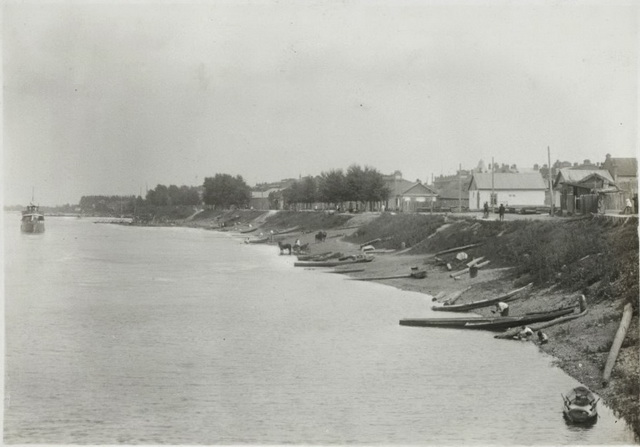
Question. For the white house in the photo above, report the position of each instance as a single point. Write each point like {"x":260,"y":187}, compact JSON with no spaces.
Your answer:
{"x":511,"y":189}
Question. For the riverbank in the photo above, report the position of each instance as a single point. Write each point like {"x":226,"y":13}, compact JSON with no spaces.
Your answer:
{"x":580,"y":346}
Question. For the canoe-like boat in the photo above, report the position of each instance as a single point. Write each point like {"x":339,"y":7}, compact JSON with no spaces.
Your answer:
{"x":580,"y":406}
{"x":248,"y":230}
{"x":354,"y":260}
{"x":260,"y":240}
{"x":487,"y":323}
{"x":288,"y":230}
{"x":32,"y":220}
{"x":479,"y":304}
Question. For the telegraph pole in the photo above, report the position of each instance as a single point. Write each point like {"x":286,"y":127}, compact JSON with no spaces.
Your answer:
{"x":550,"y":181}
{"x":493,"y":168}
{"x":460,"y":188}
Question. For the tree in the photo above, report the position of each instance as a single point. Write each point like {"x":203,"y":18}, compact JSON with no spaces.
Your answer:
{"x":223,"y":191}
{"x":331,"y":187}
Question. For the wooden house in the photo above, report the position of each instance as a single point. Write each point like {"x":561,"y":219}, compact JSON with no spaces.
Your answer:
{"x":515,"y":190}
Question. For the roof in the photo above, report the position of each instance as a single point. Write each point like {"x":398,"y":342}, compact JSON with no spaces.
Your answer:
{"x":398,"y":186}
{"x":507,"y":181}
{"x":626,"y":167}
{"x":419,"y":190}
{"x":574,"y":176}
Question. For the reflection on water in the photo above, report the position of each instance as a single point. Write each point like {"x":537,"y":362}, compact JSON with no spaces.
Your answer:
{"x":170,"y":335}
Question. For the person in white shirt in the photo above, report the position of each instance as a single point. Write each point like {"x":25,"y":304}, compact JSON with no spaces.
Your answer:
{"x":502,"y":309}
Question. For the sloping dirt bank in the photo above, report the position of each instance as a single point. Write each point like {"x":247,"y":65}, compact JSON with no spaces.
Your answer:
{"x":563,"y":258}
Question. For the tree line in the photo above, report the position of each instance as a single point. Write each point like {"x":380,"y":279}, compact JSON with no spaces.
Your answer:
{"x":363,"y":186}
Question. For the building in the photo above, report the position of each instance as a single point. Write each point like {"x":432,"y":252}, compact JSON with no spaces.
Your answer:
{"x":261,"y":193}
{"x":407,"y":196}
{"x":579,"y":188}
{"x":511,"y":189}
{"x":624,"y":172}
{"x":453,"y":191}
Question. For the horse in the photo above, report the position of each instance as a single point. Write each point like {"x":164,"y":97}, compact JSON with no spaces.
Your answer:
{"x":321,"y":236}
{"x":284,"y":247}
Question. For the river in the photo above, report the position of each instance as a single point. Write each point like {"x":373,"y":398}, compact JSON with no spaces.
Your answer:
{"x":134,"y":335}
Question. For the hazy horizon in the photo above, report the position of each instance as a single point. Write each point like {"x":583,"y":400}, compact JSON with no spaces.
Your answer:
{"x":109,"y":98}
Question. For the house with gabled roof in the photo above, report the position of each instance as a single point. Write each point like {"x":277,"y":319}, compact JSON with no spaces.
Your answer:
{"x":511,"y":189}
{"x":407,"y":196}
{"x":573,"y":184}
{"x":624,"y":172}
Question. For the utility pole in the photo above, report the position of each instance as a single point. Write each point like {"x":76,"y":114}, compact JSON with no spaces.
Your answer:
{"x":550,"y":181}
{"x":460,"y":188}
{"x":493,"y":168}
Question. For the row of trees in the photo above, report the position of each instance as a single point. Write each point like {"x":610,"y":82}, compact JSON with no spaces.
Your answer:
{"x":364,"y":186}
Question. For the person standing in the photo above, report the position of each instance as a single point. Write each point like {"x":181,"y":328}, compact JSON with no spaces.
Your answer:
{"x":501,"y":211}
{"x":486,"y":210}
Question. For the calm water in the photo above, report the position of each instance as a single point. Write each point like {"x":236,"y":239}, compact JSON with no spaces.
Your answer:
{"x":169,"y":335}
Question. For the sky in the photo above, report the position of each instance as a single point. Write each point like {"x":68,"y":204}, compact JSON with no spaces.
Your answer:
{"x":114,"y":97}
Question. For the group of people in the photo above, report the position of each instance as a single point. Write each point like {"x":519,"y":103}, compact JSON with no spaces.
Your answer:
{"x":526,"y":333}
{"x":501,"y":211}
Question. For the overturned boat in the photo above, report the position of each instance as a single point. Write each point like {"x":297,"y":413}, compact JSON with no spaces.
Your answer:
{"x":580,"y":406}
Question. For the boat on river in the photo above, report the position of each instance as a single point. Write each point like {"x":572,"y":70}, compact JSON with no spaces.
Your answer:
{"x":481,"y":303}
{"x":487,"y":323}
{"x":32,"y":220}
{"x":580,"y":406}
{"x":348,"y":260}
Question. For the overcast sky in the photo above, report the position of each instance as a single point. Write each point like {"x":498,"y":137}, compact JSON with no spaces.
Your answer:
{"x":112,"y":97}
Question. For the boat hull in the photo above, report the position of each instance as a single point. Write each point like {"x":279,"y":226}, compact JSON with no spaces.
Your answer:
{"x":32,"y":227}
{"x":486,"y":323}
{"x":330,"y":263}
{"x":580,"y":406}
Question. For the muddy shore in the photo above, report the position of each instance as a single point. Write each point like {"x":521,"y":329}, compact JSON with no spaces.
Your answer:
{"x":580,"y":347}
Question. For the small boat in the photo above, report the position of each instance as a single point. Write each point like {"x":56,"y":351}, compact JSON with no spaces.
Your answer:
{"x":478,"y":304}
{"x":248,"y":230}
{"x":580,"y":406}
{"x":487,"y":323}
{"x":260,"y":240}
{"x":288,"y":230}
{"x":32,"y":220}
{"x":349,"y":260}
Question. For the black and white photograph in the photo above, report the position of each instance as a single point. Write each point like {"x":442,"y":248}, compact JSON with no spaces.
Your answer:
{"x":320,"y":222}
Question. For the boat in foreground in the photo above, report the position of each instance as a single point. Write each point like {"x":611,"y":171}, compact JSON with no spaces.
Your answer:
{"x":487,"y":323}
{"x":580,"y":406}
{"x":32,"y":220}
{"x":337,"y":262}
{"x":481,"y":303}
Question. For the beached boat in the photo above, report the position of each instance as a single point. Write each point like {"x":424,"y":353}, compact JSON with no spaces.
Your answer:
{"x":478,"y":304}
{"x":249,"y":230}
{"x":580,"y":406}
{"x":337,"y":262}
{"x":32,"y":220}
{"x":288,"y":230}
{"x":259,"y":240}
{"x":487,"y":323}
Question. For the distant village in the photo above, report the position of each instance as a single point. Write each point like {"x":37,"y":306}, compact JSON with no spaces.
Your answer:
{"x":576,"y":188}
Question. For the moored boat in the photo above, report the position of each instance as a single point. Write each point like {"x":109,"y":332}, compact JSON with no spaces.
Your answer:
{"x":350,"y":260}
{"x":486,"y":323}
{"x":580,"y":406}
{"x":32,"y":220}
{"x":259,"y":240}
{"x":481,"y":303}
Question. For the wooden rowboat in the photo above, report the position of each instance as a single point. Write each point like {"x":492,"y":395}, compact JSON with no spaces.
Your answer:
{"x":262,"y":240}
{"x":580,"y":406}
{"x":487,"y":323}
{"x":335,"y":263}
{"x":482,"y":303}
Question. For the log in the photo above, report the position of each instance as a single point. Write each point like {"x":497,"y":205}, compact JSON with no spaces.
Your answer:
{"x":453,"y":250}
{"x":454,"y":296}
{"x":460,"y":272}
{"x":617,"y":343}
{"x":475,"y":261}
